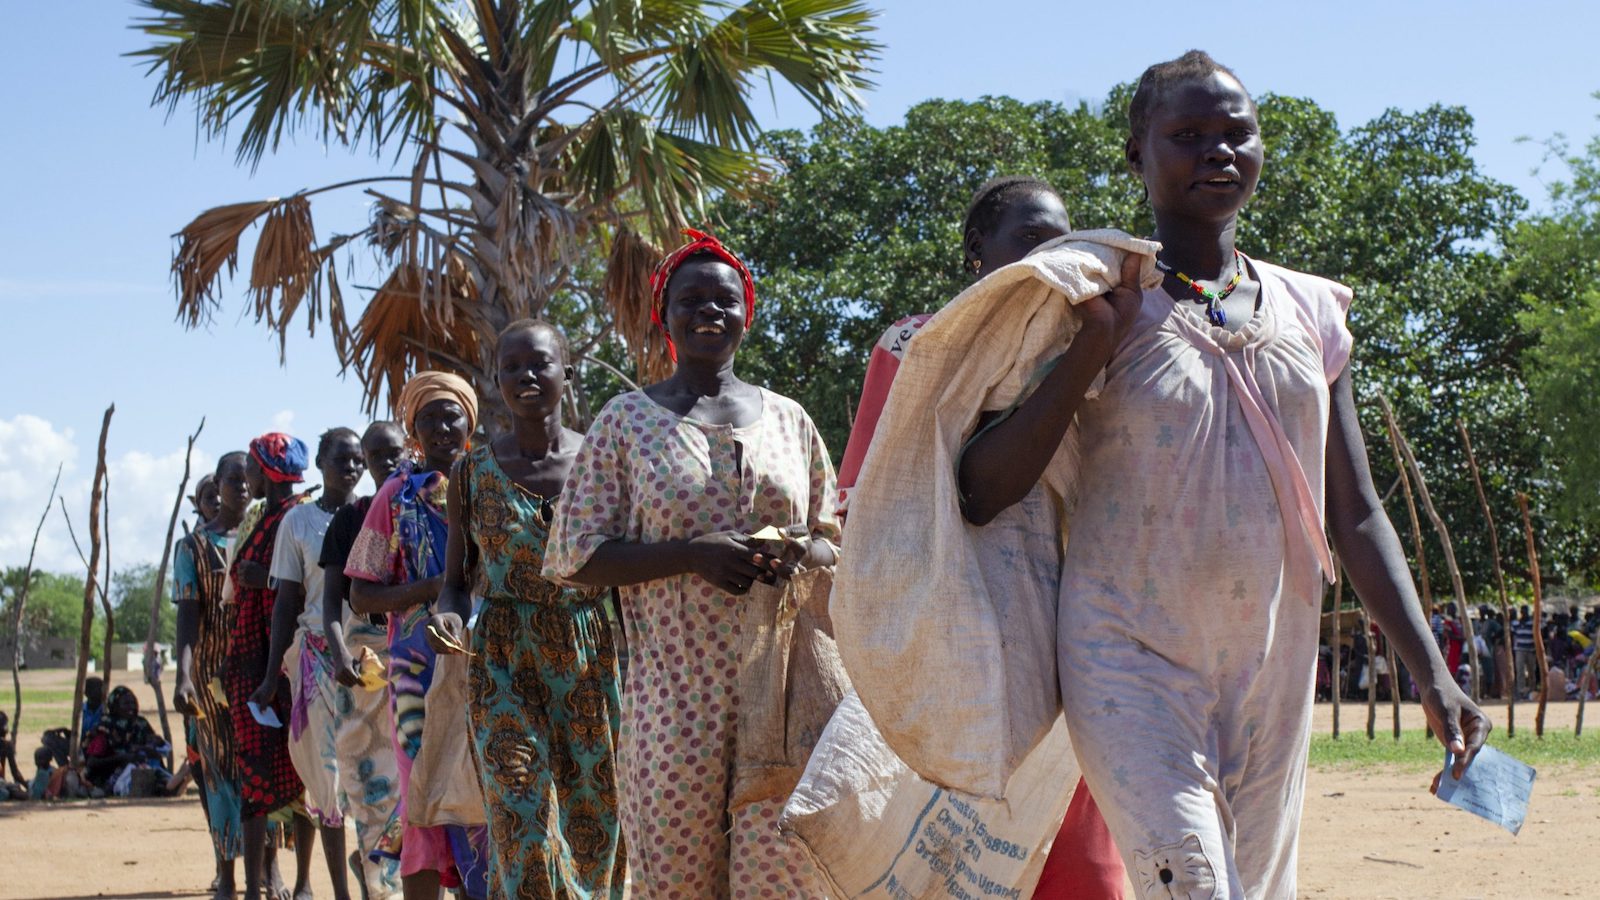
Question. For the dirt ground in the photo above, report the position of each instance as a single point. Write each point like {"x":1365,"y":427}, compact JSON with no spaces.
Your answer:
{"x":1367,"y":833}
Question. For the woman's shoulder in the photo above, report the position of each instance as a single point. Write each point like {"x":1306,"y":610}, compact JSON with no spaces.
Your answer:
{"x":1305,"y":287}
{"x":777,"y":407}
{"x":623,"y":407}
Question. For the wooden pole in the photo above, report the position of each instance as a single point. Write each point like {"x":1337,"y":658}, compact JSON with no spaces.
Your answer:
{"x":152,"y":668}
{"x":1420,"y":548}
{"x":1333,"y":644}
{"x":1444,"y":541}
{"x":105,"y":584}
{"x":1538,"y":615}
{"x":1585,"y":679}
{"x":1394,"y":684}
{"x":89,"y":586}
{"x":1499,"y":575}
{"x":1372,"y":675}
{"x":18,"y":604}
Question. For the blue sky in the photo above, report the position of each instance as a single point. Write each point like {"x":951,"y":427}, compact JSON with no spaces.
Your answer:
{"x":97,"y":182}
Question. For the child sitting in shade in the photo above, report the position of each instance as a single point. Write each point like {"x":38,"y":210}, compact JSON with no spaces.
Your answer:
{"x":42,"y":760}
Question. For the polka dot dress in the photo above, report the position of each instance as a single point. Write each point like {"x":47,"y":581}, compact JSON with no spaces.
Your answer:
{"x":648,"y":475}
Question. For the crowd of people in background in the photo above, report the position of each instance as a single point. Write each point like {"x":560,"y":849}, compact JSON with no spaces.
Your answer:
{"x":1507,"y":655}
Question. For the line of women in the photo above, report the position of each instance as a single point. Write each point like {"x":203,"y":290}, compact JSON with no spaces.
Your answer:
{"x":1219,"y":418}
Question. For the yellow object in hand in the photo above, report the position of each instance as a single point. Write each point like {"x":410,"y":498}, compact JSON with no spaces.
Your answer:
{"x":371,"y":670}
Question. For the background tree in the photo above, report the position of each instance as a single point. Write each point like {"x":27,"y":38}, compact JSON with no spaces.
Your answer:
{"x":1556,"y":275}
{"x":131,"y":591}
{"x":862,"y":227}
{"x":55,"y":603}
{"x":535,"y":131}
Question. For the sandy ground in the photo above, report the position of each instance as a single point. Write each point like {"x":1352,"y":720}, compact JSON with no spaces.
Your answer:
{"x":1370,"y":833}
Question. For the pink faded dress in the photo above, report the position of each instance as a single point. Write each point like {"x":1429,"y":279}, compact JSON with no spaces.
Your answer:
{"x":1192,"y":586}
{"x":647,"y":475}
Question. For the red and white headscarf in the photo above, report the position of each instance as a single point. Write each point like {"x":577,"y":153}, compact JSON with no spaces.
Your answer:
{"x":699,"y":242}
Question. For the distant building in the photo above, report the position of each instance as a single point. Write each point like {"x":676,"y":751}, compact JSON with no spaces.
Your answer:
{"x":42,"y":653}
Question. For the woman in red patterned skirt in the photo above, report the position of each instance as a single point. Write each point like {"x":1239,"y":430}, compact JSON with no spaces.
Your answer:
{"x":267,"y":779}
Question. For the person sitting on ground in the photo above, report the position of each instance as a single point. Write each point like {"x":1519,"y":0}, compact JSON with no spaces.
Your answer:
{"x":94,"y":703}
{"x":122,"y":739}
{"x":42,"y":761}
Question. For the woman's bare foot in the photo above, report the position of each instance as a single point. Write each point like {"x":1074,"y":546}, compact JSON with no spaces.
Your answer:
{"x":275,"y":888}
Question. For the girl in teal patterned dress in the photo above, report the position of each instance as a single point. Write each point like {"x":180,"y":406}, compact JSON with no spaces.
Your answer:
{"x":543,"y":688}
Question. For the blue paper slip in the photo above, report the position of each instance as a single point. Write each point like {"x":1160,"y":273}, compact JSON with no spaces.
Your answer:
{"x":1495,"y":787}
{"x":266,"y":717}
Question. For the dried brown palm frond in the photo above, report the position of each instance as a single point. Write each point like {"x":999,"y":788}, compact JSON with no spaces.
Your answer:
{"x":392,"y":223}
{"x":398,"y":334}
{"x":626,"y":289}
{"x":287,"y":268}
{"x":205,"y":246}
{"x":338,"y":321}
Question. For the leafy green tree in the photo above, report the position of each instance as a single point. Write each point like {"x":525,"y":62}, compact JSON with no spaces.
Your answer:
{"x":55,"y":603}
{"x":863,"y":228}
{"x":536,"y":132}
{"x":1556,"y":275}
{"x":131,"y":592}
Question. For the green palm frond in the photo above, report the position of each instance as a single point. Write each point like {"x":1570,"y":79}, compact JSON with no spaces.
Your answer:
{"x":822,"y":48}
{"x":346,"y":71}
{"x":580,"y":130}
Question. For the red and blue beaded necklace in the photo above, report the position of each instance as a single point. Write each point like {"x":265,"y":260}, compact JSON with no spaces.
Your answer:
{"x":1212,"y":299}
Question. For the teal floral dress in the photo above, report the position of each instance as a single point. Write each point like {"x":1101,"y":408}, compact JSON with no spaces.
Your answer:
{"x":544,"y":704}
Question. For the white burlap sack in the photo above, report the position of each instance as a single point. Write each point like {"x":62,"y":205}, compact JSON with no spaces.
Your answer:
{"x":947,"y":630}
{"x":875,"y":829}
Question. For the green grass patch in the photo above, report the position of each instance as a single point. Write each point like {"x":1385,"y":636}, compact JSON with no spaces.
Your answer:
{"x":33,"y":697}
{"x":1415,"y":750}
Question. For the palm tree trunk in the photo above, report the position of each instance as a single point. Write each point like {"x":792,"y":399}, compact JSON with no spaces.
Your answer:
{"x":1499,"y":573}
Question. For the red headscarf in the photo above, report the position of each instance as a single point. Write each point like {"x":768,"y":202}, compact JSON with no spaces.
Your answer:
{"x":699,"y":242}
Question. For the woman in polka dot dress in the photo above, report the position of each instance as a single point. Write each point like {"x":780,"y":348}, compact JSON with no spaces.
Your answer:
{"x":669,"y":482}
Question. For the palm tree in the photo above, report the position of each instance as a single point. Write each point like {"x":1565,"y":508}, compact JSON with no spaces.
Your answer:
{"x":544,"y":140}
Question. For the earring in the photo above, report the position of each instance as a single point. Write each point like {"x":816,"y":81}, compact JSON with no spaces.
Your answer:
{"x":975,"y":265}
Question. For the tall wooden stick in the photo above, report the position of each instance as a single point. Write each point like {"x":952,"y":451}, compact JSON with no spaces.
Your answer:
{"x":152,"y":669}
{"x":1420,"y":548}
{"x":1333,"y":644}
{"x":1394,"y":684}
{"x":18,"y":604}
{"x":1586,"y":677}
{"x":1538,"y":615}
{"x":1444,"y":541}
{"x":88,"y":587}
{"x":105,"y":584}
{"x":1372,"y":675}
{"x":1499,"y":573}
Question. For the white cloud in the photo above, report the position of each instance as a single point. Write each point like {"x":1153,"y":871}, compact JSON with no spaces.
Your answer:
{"x":283,"y":420}
{"x":142,"y":486}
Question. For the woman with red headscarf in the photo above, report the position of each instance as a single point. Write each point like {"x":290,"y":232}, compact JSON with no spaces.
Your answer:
{"x":267,"y":779}
{"x":668,"y":484}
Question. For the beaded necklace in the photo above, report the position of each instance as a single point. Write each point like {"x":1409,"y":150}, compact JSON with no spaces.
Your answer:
{"x":1212,"y":299}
